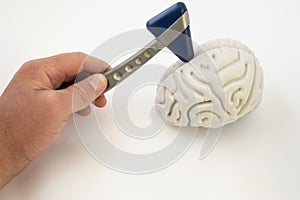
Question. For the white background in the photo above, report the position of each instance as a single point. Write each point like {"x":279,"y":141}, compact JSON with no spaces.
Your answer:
{"x":256,"y":158}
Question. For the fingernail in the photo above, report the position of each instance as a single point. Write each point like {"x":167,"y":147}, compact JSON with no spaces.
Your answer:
{"x":97,"y":81}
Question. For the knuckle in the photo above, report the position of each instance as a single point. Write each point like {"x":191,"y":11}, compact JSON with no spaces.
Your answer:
{"x":30,"y":66}
{"x":27,"y":65}
{"x":32,"y":63}
{"x":80,"y":54}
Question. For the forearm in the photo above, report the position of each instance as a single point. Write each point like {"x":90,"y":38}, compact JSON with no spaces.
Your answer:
{"x":11,"y":162}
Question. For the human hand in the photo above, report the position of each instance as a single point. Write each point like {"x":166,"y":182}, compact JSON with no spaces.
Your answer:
{"x":33,"y":112}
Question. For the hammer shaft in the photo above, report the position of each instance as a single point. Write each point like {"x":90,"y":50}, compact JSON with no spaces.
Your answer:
{"x":123,"y":70}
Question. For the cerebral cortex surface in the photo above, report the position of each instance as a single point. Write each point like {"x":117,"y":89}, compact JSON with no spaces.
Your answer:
{"x":221,"y":84}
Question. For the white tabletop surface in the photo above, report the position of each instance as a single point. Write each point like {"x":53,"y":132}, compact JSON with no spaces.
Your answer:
{"x":256,"y":158}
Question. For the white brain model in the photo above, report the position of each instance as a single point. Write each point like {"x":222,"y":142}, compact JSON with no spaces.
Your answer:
{"x":221,"y":84}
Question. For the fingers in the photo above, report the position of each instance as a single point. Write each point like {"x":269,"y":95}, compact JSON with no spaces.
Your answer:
{"x":90,"y":66}
{"x":85,"y":112}
{"x":84,"y":92}
{"x":94,"y":65}
{"x":100,"y":101}
{"x":62,"y":67}
{"x":51,"y":72}
{"x":65,"y":67}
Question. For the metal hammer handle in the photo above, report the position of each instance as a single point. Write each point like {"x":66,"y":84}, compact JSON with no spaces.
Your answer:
{"x":123,"y":70}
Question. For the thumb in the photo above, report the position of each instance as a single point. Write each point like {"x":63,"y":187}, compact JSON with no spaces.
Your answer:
{"x":86,"y":91}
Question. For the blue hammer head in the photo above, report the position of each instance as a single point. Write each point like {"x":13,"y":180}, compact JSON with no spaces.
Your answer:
{"x":182,"y":46}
